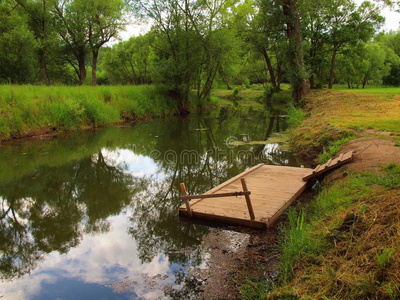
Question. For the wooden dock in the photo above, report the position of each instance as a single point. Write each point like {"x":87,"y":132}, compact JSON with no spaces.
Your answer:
{"x":256,"y":197}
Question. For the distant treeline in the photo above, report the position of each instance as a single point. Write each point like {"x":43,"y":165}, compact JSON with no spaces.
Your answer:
{"x":194,"y":45}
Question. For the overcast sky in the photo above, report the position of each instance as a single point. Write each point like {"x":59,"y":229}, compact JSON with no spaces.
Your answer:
{"x":392,"y":23}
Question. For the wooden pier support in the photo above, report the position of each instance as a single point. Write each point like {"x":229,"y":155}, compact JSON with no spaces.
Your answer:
{"x":184,"y":193}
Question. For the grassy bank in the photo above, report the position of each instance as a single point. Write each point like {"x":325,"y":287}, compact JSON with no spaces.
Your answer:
{"x":332,"y":118}
{"x":344,"y":243}
{"x":31,"y":110}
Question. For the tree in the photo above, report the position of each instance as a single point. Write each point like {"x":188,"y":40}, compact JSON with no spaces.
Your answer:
{"x":191,"y":40}
{"x":39,"y":20}
{"x":347,"y":25}
{"x":300,"y":84}
{"x":17,"y":47}
{"x":129,"y":62}
{"x":265,"y":32}
{"x":71,"y":25}
{"x":104,"y":18}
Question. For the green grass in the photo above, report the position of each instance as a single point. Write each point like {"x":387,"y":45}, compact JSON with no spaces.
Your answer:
{"x":296,"y":116}
{"x":308,"y":235}
{"x":333,"y":148}
{"x":27,"y":108}
{"x":369,"y":89}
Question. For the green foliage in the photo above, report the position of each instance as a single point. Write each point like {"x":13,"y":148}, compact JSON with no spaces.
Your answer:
{"x":295,"y":116}
{"x":268,"y":91}
{"x":333,"y":148}
{"x":129,"y":62}
{"x":17,"y":47}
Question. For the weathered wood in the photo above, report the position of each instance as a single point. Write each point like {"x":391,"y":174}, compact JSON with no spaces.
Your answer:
{"x":317,"y":169}
{"x":331,"y":164}
{"x":272,"y":187}
{"x":187,"y":203}
{"x":204,"y":196}
{"x":248,"y":201}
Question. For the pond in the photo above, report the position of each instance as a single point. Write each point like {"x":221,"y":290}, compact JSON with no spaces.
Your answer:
{"x":93,"y":215}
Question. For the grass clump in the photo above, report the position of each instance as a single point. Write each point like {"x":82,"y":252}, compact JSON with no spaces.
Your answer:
{"x":345,"y":244}
{"x":25,"y":110}
{"x":251,"y":290}
{"x":333,"y":148}
{"x":296,"y":116}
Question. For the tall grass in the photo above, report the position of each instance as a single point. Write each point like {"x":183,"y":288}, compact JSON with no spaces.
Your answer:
{"x":295,"y":116}
{"x":24,"y":109}
{"x":306,"y":237}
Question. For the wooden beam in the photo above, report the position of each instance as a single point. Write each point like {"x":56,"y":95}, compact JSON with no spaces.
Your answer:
{"x":331,"y":164}
{"x":184,"y":193}
{"x":248,"y":201}
{"x":317,"y":169}
{"x":328,"y":164}
{"x":204,"y":196}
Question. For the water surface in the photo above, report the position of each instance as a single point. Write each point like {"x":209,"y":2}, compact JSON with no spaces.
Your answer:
{"x":93,"y":215}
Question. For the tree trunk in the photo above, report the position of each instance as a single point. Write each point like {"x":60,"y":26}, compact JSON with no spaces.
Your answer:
{"x":82,"y":68}
{"x":365,"y":81}
{"x":300,"y":85}
{"x":279,"y":76}
{"x":43,"y":67}
{"x":332,"y":71}
{"x":270,"y":68}
{"x":94,"y":67}
{"x":312,"y":81}
{"x":228,"y":83}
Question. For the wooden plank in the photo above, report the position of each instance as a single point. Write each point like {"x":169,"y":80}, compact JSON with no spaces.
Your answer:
{"x":217,"y":188}
{"x":227,"y":220}
{"x":332,"y":164}
{"x":273,"y":189}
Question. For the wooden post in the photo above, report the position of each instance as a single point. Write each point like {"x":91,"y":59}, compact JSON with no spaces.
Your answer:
{"x":249,"y":206}
{"x":184,"y":193}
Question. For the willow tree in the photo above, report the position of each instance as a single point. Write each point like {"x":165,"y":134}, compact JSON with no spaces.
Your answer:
{"x":192,"y":38}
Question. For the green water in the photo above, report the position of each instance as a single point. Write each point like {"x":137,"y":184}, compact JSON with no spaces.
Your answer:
{"x":93,"y":215}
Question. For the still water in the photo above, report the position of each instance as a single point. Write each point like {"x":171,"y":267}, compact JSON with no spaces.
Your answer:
{"x":93,"y":215}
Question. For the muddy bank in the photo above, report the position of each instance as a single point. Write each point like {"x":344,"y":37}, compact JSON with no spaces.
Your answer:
{"x":238,"y":254}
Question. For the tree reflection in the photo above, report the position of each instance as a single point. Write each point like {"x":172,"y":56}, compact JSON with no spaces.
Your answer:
{"x":51,"y":209}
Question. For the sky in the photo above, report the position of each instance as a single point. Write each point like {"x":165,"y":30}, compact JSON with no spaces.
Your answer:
{"x":392,"y":23}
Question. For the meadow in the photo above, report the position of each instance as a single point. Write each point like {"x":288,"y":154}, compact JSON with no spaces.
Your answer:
{"x":31,"y":110}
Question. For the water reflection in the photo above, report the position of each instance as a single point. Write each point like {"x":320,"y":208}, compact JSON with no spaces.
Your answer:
{"x":95,"y":213}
